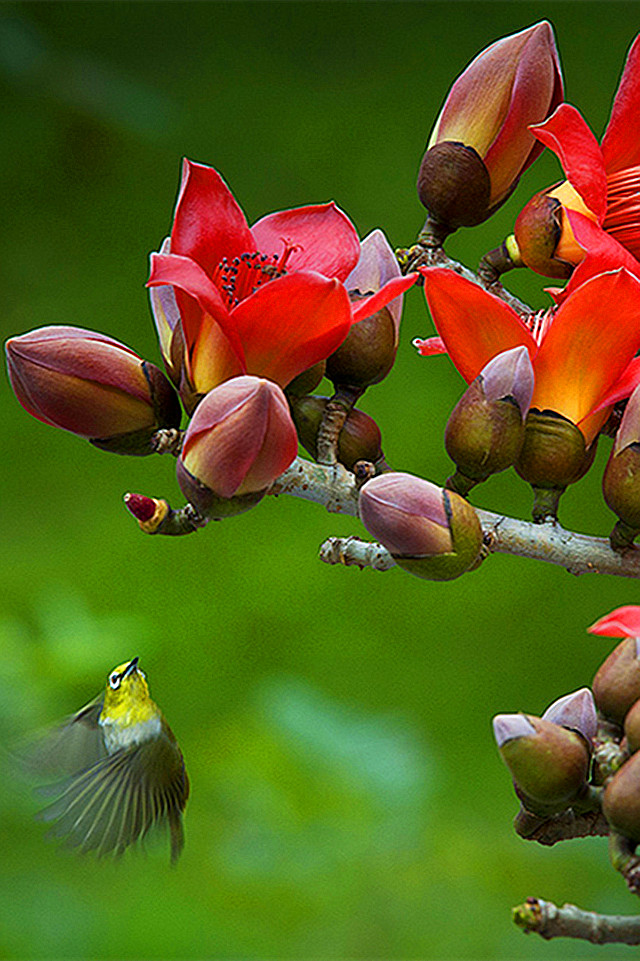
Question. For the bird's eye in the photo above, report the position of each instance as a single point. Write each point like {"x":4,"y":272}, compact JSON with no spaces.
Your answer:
{"x":114,"y":680}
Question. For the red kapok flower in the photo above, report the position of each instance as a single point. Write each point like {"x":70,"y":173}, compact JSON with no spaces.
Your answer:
{"x":622,"y":622}
{"x":581,"y":351}
{"x":597,"y":209}
{"x":266,"y":300}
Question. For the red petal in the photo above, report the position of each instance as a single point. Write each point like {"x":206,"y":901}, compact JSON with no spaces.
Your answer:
{"x":474,"y":324}
{"x":567,"y":134}
{"x":592,"y":339}
{"x":624,"y":386}
{"x":623,"y":622}
{"x":602,"y":253}
{"x":202,"y":298}
{"x":326,"y":239}
{"x":291,"y":323}
{"x":621,"y":142}
{"x":392,"y":289}
{"x":430,"y":347}
{"x":208,"y":223}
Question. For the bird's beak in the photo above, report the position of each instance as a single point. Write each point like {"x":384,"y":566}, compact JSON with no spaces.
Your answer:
{"x":131,"y":667}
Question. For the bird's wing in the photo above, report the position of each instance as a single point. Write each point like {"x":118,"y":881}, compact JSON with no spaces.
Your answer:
{"x":116,"y":801}
{"x":69,"y":748}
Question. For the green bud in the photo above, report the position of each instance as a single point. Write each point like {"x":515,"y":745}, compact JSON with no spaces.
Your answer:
{"x":621,"y":481}
{"x":485,"y":431}
{"x":552,"y":457}
{"x":549,"y":764}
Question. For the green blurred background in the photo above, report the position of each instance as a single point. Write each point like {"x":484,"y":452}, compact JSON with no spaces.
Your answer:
{"x":348,"y":800}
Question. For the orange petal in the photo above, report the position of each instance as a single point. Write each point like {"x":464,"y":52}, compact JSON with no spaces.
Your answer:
{"x":474,"y":324}
{"x":592,"y":339}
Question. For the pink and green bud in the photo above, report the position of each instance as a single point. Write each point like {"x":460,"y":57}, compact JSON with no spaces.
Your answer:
{"x":240,"y":439}
{"x":576,"y":711}
{"x":93,"y":386}
{"x":430,"y":532}
{"x":621,"y":481}
{"x":621,"y":800}
{"x":359,"y":439}
{"x":481,"y":142}
{"x":485,"y":432}
{"x":368,"y":353}
{"x":548,"y":763}
{"x":616,"y":686}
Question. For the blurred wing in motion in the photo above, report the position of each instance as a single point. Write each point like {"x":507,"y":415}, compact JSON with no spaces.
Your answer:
{"x":113,"y":803}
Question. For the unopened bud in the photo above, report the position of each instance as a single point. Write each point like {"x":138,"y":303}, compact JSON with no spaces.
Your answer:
{"x":538,"y":234}
{"x":621,"y":799}
{"x":553,"y":456}
{"x":549,"y":764}
{"x":307,"y":381}
{"x":485,"y":432}
{"x":367,"y":354}
{"x":621,"y":481}
{"x":632,"y":727}
{"x":481,"y":142}
{"x":431,"y":532}
{"x":240,"y":439}
{"x":575,"y":711}
{"x":359,"y":439}
{"x":616,"y":686}
{"x":93,"y":386}
{"x":148,"y":511}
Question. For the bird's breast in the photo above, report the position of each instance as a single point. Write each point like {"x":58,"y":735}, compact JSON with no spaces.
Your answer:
{"x":119,"y":735}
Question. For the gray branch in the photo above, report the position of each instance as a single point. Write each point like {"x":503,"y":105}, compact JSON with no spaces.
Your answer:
{"x":335,"y":488}
{"x":550,"y":921}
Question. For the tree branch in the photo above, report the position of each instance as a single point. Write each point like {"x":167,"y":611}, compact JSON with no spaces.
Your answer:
{"x":550,"y":921}
{"x":335,"y":488}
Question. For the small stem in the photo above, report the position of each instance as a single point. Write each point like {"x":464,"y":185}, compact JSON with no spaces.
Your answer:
{"x":545,"y":503}
{"x":550,"y":921}
{"x":460,"y":484}
{"x":334,"y":415}
{"x":622,"y":537}
{"x":624,"y":859}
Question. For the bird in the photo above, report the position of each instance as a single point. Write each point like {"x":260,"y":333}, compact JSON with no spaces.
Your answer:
{"x":118,"y":767}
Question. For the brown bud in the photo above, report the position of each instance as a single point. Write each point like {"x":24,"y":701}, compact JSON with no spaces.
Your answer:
{"x":621,"y":800}
{"x":359,"y":439}
{"x":616,"y":686}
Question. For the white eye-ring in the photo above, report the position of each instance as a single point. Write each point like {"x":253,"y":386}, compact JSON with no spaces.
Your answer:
{"x":114,"y":680}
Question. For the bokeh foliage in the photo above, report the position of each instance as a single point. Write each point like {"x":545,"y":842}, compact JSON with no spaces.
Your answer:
{"x":348,"y":800}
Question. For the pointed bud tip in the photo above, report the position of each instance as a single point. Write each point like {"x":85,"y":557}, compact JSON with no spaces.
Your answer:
{"x":508,"y":727}
{"x":576,"y":711}
{"x":143,"y":508}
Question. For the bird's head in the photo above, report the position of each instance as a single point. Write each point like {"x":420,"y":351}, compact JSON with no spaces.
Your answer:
{"x":126,"y":697}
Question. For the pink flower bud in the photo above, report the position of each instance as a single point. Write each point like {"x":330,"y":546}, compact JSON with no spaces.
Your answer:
{"x":240,"y":439}
{"x":481,"y":142}
{"x":91,"y":385}
{"x":431,"y":532}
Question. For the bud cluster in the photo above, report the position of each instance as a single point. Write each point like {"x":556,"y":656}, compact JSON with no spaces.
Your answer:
{"x":582,"y":756}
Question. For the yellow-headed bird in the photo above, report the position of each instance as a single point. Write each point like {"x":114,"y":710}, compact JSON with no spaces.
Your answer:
{"x":124,"y":772}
